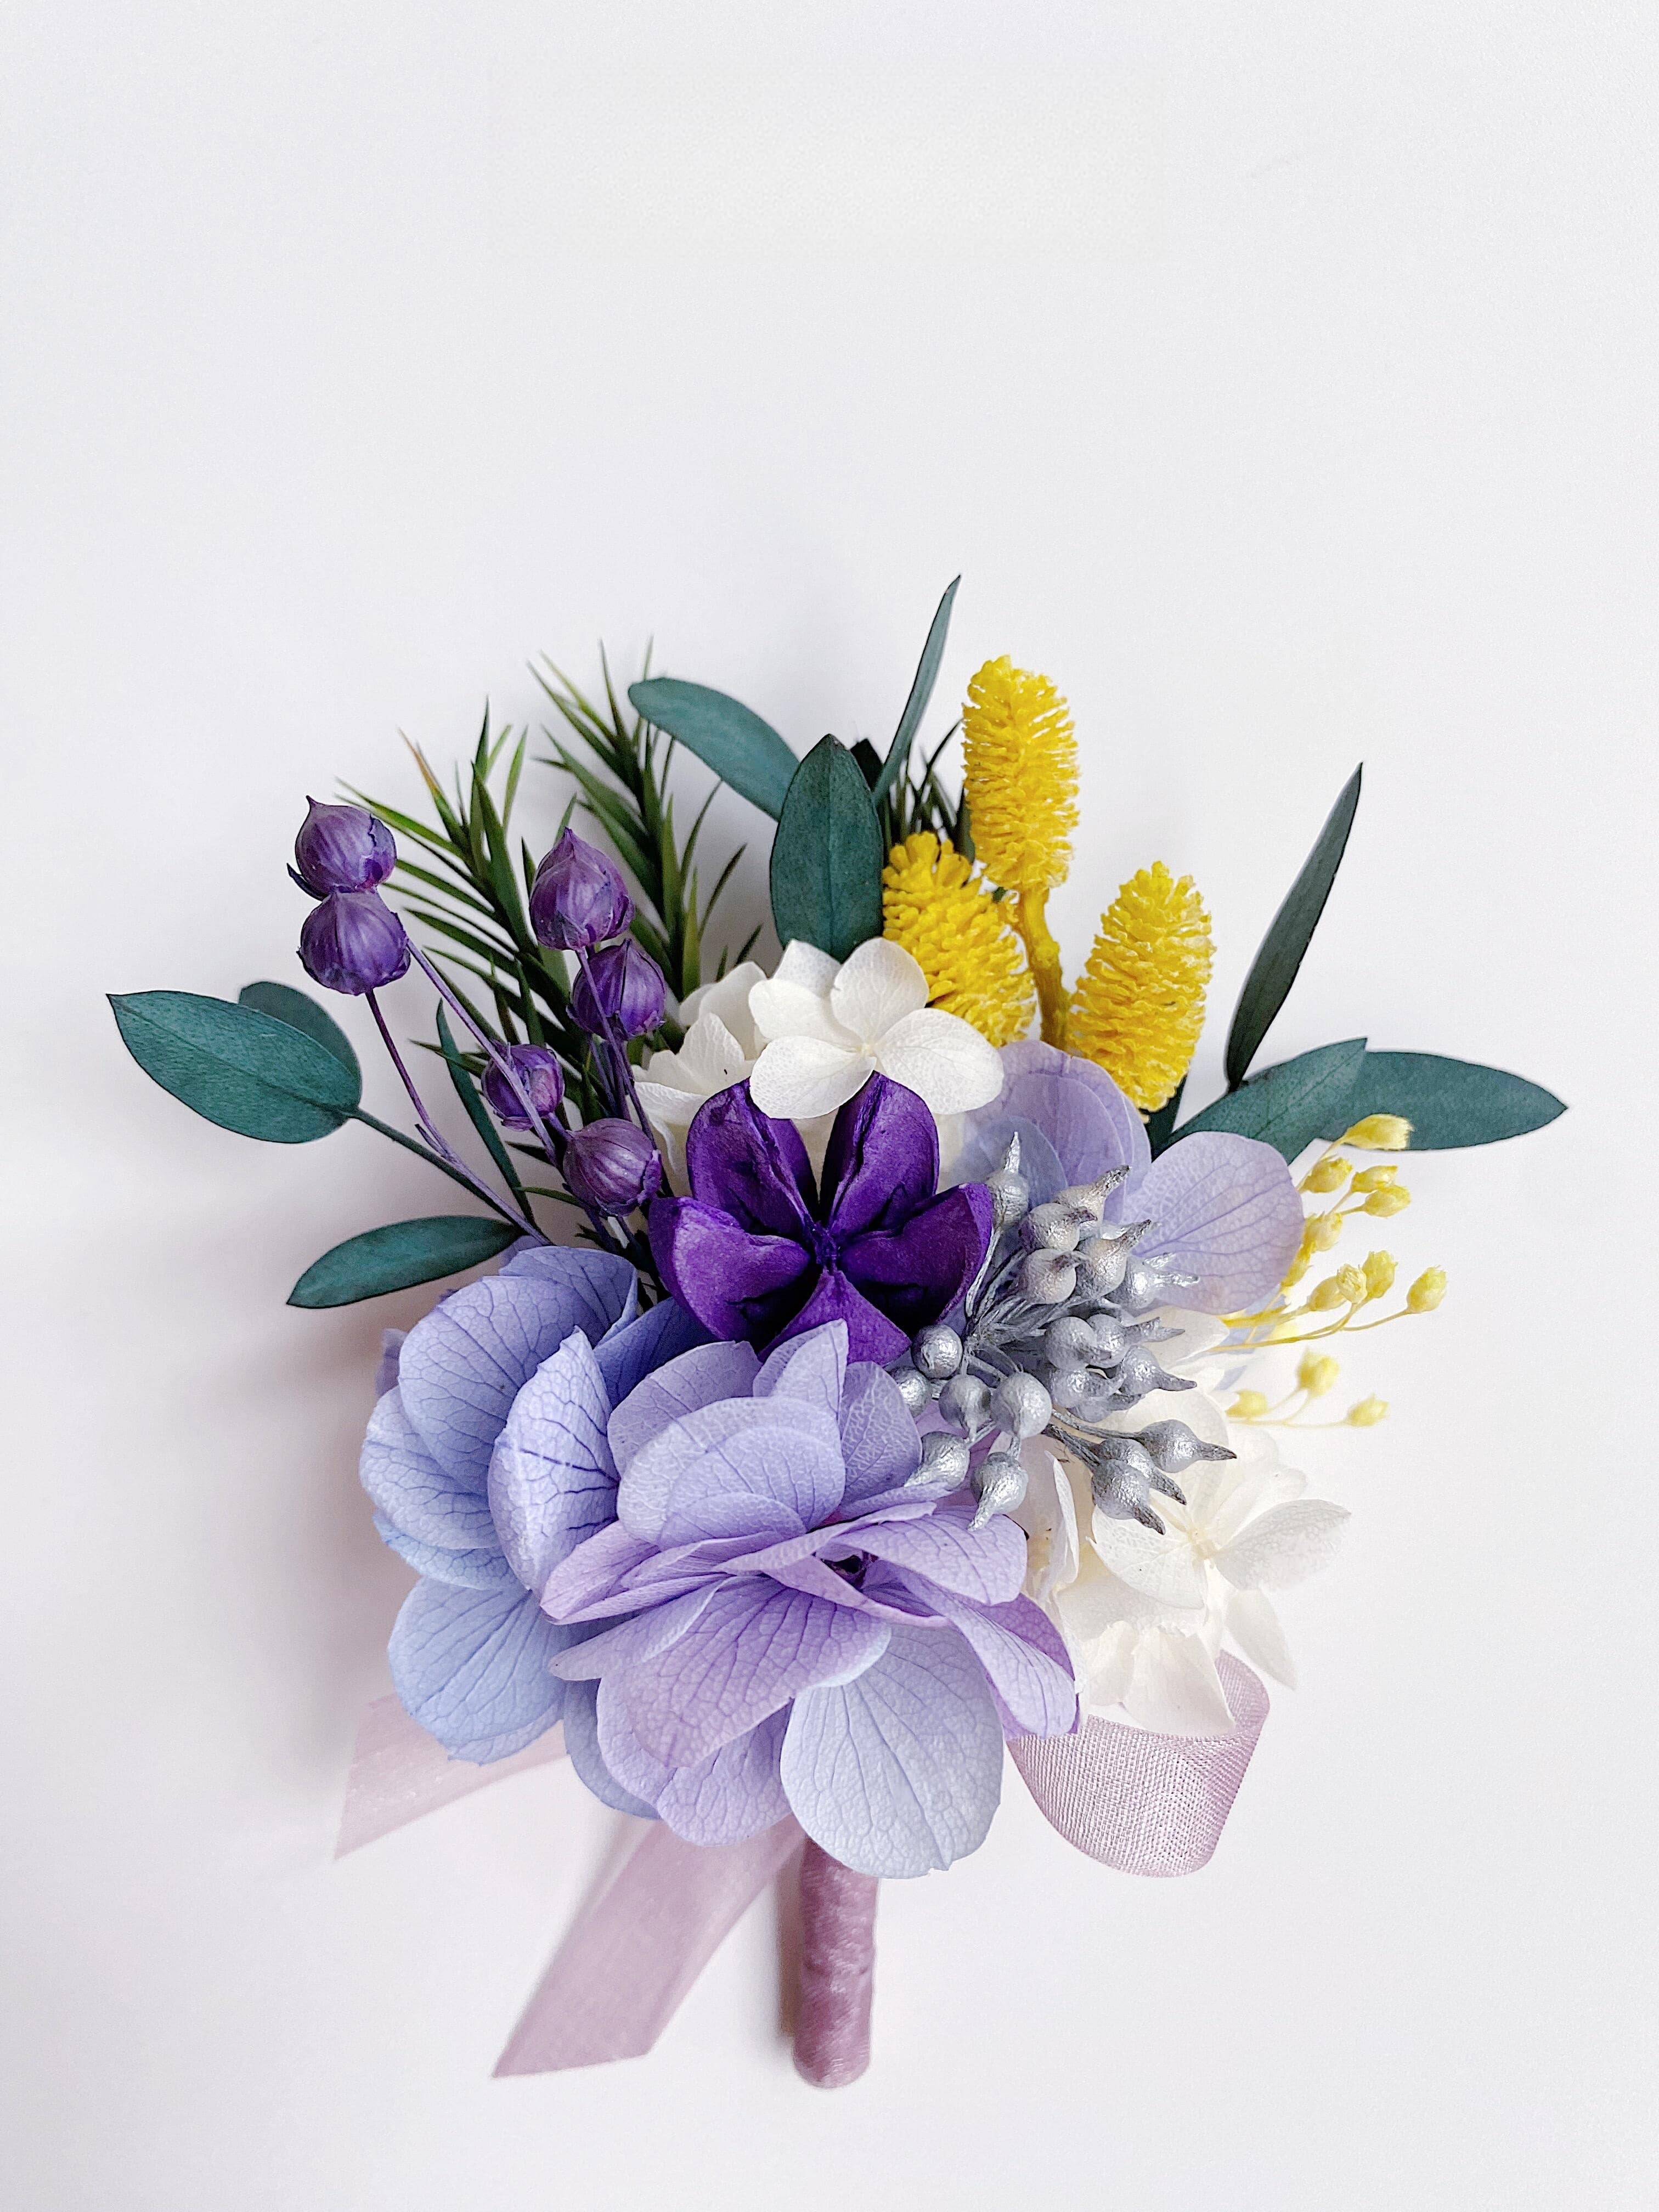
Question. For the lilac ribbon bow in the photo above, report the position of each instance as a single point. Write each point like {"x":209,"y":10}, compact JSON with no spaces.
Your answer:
{"x":1141,"y":1803}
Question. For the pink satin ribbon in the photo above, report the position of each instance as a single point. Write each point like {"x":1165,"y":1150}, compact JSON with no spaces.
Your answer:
{"x":1144,"y":1804}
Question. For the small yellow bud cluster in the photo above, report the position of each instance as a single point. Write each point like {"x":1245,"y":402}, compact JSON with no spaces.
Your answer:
{"x":1380,"y":1133}
{"x":1247,"y":1406}
{"x":1317,"y":1374}
{"x":1426,"y":1292}
{"x":1367,"y":1413}
{"x":1329,"y":1173}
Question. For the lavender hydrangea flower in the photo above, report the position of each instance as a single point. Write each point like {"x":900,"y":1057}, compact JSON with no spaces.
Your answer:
{"x":1225,"y":1208}
{"x":760,"y":1251}
{"x":470,"y":1649}
{"x":787,"y":1619}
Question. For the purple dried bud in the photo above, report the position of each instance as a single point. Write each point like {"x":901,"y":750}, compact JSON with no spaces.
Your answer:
{"x":538,"y":1071}
{"x":578,"y":898}
{"x":624,"y":985}
{"x":343,"y":849}
{"x":352,"y":942}
{"x":611,"y":1166}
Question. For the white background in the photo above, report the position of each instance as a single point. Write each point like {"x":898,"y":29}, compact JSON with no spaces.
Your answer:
{"x":1279,"y":378}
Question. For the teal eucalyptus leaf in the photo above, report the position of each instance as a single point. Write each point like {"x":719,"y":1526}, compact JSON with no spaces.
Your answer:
{"x":921,"y":690}
{"x":726,"y":735}
{"x":284,"y":1004}
{"x":1449,"y":1102}
{"x":827,"y":856}
{"x":400,"y":1255}
{"x":1289,"y":1106}
{"x":236,"y":1065}
{"x":1274,"y":969}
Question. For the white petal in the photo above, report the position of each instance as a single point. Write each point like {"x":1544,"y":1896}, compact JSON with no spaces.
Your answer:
{"x":1199,"y":1333}
{"x":782,"y":1009}
{"x":879,"y":984}
{"x":712,"y":1056}
{"x":798,"y":1077}
{"x":667,"y":1106}
{"x":1109,"y":1669}
{"x":803,"y":963}
{"x":1177,"y":1689}
{"x":728,"y":1001}
{"x":1099,"y":1600}
{"x":1161,"y":1567}
{"x":1283,"y":1546}
{"x":1254,"y":1626}
{"x":1049,"y":1517}
{"x":942,"y":1059}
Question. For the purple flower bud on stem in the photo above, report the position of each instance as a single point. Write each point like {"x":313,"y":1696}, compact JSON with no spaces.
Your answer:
{"x":538,"y":1071}
{"x":612,"y":1167}
{"x":352,"y":942}
{"x":578,"y":898}
{"x":343,"y":849}
{"x":620,"y":992}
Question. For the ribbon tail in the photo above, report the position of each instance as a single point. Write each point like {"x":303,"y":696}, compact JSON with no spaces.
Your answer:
{"x":1141,"y":1803}
{"x":399,"y":1773}
{"x":620,"y":1973}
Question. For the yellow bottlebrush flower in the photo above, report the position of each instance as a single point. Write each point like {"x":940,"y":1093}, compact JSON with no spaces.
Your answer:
{"x":1019,"y":777}
{"x":958,"y":935}
{"x":1140,"y":1006}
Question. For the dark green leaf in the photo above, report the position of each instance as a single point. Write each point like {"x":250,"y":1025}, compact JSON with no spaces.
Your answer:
{"x":921,"y":690}
{"x":300,"y":1012}
{"x":827,"y":856}
{"x":1289,"y":1106}
{"x":398,"y":1256}
{"x":1449,"y":1102}
{"x":1274,"y":969}
{"x":1160,"y":1124}
{"x":869,"y":760}
{"x":233,"y":1064}
{"x":726,"y":736}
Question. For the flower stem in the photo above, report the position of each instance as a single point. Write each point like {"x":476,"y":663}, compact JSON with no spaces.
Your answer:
{"x":447,"y":1160}
{"x":838,"y":1970}
{"x":1042,"y":957}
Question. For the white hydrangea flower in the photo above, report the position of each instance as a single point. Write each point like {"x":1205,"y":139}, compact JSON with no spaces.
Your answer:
{"x":1145,"y":1615}
{"x":827,"y":1027}
{"x":719,"y":1049}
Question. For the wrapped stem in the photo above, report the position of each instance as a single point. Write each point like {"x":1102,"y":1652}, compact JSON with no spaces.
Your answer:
{"x":838,"y":1970}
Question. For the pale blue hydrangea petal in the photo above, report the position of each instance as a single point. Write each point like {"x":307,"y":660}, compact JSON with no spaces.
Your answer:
{"x":1025,"y":1658}
{"x":479,"y":1570}
{"x":581,"y":1741}
{"x":593,"y":1572}
{"x":811,"y":1368}
{"x":681,"y":1385}
{"x":899,"y":1771}
{"x":632,"y":1348}
{"x":735,"y":1793}
{"x":552,"y":1484}
{"x":417,"y":1495}
{"x":634,"y":1641}
{"x":1226,"y":1210}
{"x":880,"y":1443}
{"x":463,"y":1365}
{"x":748,"y":1652}
{"x":986,"y":1565}
{"x":472,"y":1666}
{"x":768,"y":1465}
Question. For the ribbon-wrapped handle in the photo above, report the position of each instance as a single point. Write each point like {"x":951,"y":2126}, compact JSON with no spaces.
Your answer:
{"x":838,"y":1970}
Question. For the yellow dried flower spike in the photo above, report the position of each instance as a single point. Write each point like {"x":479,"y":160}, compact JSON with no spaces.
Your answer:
{"x":1020,"y":778}
{"x":1139,"y":1006}
{"x":958,"y":935}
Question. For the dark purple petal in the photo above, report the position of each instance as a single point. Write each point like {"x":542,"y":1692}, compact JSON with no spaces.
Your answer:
{"x":1225,"y":1209}
{"x":751,"y":1650}
{"x":751,"y":1167}
{"x":737,"y":1282}
{"x":881,"y":1162}
{"x":916,"y":1274}
{"x":1025,"y":1658}
{"x":870,"y":1335}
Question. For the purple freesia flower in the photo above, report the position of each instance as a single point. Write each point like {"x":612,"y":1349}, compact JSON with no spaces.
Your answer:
{"x":1224,"y":1208}
{"x":780,"y":1618}
{"x":759,"y":1250}
{"x":471,"y":1646}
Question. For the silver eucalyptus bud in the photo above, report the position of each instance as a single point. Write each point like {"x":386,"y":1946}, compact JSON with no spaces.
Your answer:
{"x":964,"y":1401}
{"x":1011,"y":1194}
{"x":1139,"y":1374}
{"x":944,"y":1467}
{"x":1054,"y":1227}
{"x":1070,"y":1341}
{"x":1173,"y":1446}
{"x":912,"y":1386}
{"x":1072,"y":1388}
{"x":1000,"y":1486}
{"x":1048,"y":1278}
{"x":1022,"y":1406}
{"x":937,"y":1351}
{"x":1091,"y":1197}
{"x":1103,"y":1261}
{"x":1111,"y":1339}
